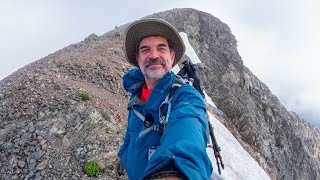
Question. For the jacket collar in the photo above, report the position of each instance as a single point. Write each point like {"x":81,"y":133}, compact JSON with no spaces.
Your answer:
{"x":133,"y":81}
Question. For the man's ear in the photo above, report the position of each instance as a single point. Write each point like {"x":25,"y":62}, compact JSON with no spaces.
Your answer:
{"x":173,"y":56}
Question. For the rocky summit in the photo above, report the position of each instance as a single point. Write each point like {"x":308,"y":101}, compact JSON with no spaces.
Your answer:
{"x":69,"y":107}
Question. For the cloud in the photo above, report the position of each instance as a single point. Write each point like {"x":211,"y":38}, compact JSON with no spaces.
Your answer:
{"x":29,"y":31}
{"x":278,"y":41}
{"x":285,"y":56}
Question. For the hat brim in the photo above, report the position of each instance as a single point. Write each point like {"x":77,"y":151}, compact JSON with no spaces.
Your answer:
{"x":151,"y":27}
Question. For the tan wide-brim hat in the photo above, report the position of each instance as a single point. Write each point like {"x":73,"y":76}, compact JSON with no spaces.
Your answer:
{"x":151,"y":27}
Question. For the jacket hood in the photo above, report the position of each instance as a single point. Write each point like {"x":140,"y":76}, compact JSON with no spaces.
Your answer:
{"x":133,"y":80}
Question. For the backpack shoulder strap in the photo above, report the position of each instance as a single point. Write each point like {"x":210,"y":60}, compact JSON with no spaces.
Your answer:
{"x":165,"y":106}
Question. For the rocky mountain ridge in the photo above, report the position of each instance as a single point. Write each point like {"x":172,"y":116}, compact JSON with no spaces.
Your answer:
{"x":48,"y":132}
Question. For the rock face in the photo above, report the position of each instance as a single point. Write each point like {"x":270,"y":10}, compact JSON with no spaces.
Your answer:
{"x":48,"y":132}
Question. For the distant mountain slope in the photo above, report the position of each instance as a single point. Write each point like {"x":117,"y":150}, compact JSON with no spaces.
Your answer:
{"x":47,"y":131}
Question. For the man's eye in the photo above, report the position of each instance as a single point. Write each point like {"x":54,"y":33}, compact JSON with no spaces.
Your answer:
{"x":144,"y":50}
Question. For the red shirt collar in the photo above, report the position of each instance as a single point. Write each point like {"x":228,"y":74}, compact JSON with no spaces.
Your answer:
{"x":145,"y":93}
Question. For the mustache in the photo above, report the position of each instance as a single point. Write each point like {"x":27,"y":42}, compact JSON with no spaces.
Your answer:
{"x":153,"y":61}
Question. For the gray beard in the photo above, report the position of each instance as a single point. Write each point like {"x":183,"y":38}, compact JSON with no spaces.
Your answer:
{"x":153,"y":76}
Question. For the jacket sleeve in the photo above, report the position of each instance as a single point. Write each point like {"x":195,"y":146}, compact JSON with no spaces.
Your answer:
{"x":184,"y":140}
{"x":126,"y":142}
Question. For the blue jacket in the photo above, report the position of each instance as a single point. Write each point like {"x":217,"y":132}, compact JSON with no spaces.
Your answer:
{"x":184,"y":140}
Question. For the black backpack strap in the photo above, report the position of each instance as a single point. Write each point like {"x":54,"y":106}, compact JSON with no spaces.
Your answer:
{"x":189,"y":72}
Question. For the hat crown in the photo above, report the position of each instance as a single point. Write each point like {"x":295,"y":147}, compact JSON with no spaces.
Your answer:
{"x":143,"y":28}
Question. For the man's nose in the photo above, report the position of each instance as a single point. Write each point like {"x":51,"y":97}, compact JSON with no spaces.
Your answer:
{"x":153,"y":54}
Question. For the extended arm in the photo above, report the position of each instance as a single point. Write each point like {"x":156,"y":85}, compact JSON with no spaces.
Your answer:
{"x":183,"y":143}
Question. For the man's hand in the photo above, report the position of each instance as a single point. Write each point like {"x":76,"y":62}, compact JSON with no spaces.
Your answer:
{"x":119,"y":167}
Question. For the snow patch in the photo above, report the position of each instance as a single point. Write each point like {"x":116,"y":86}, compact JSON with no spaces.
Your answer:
{"x":175,"y":69}
{"x":189,"y":50}
{"x":208,"y":99}
{"x":238,"y":163}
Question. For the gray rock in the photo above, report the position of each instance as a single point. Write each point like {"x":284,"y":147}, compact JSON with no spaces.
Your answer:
{"x":37,"y":155}
{"x":42,"y":165}
{"x":30,"y":175}
{"x":21,"y":164}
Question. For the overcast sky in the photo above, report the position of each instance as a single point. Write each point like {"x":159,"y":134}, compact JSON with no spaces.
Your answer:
{"x":276,"y":38}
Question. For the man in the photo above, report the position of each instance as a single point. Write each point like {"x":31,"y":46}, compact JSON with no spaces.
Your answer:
{"x":178,"y":149}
